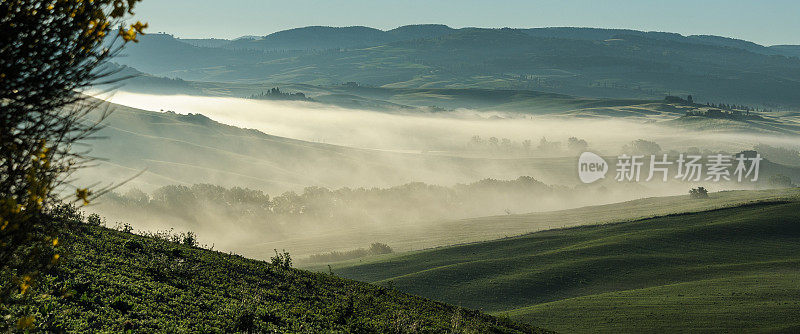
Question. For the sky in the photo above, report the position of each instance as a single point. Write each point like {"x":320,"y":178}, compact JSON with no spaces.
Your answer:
{"x":766,"y":22}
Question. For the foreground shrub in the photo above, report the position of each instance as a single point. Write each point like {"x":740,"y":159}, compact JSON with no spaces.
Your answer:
{"x":49,"y":52}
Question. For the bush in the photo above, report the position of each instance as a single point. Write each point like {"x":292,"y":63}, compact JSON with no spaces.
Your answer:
{"x":699,"y":192}
{"x":124,"y":228}
{"x":189,"y":239}
{"x":283,"y":260}
{"x":48,"y":55}
{"x":378,"y":248}
{"x":95,"y":220}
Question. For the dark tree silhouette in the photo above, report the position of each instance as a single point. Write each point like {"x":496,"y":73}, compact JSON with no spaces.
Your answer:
{"x":699,"y":192}
{"x":49,"y":52}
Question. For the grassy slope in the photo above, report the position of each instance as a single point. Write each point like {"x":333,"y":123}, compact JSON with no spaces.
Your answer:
{"x":757,"y":302}
{"x":113,"y":281}
{"x":437,"y":234}
{"x":721,"y":269}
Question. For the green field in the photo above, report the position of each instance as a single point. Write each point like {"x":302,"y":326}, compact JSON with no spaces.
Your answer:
{"x":113,"y":281}
{"x":445,"y":233}
{"x":718,"y":270}
{"x":757,"y":302}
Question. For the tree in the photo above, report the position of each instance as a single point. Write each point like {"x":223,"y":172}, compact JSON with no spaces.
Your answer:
{"x":548,"y":146}
{"x":642,"y":147}
{"x":282,"y":260}
{"x":476,"y":141}
{"x":526,"y":144}
{"x":577,"y":145}
{"x":699,"y":192}
{"x":690,"y":99}
{"x":378,"y":248}
{"x":506,"y":144}
{"x":49,"y":52}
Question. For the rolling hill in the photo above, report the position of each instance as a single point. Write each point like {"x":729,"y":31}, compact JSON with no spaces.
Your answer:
{"x":719,"y":270}
{"x":575,"y":61}
{"x":111,"y":280}
{"x":176,"y":149}
{"x":433,"y":234}
{"x":186,"y":149}
{"x":432,"y":100}
{"x":321,"y":38}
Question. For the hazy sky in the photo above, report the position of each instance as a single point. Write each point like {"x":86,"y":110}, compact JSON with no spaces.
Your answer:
{"x":766,"y":22}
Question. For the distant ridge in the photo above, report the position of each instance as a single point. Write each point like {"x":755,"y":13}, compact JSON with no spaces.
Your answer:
{"x":609,"y":63}
{"x":321,"y":37}
{"x":327,"y":37}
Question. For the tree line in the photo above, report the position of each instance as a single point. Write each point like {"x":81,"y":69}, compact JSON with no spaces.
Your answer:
{"x":202,"y":205}
{"x":495,"y":144}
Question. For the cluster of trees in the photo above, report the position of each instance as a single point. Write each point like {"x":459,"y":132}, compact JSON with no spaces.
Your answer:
{"x":721,"y":114}
{"x":689,"y":100}
{"x":699,"y":192}
{"x":641,"y":147}
{"x":277,"y":94}
{"x":495,"y":144}
{"x":679,"y":100}
{"x":317,"y":206}
{"x":500,"y":144}
{"x":736,"y":107}
{"x":376,"y":248}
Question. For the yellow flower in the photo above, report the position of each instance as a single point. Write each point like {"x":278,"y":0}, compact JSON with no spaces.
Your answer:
{"x":128,"y":35}
{"x":139,"y":27}
{"x":23,"y":287}
{"x":83,"y":194}
{"x":55,"y":242}
{"x":55,"y":258}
